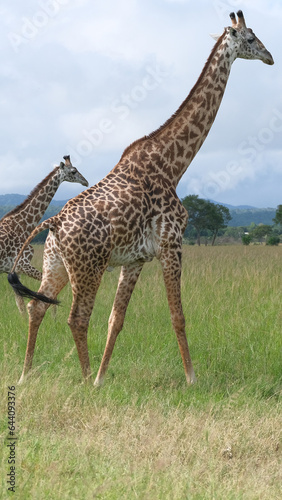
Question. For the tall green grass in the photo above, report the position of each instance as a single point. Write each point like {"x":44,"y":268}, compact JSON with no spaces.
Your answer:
{"x":145,"y":434}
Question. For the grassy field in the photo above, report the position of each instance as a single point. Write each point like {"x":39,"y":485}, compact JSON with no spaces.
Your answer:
{"x":145,"y":434}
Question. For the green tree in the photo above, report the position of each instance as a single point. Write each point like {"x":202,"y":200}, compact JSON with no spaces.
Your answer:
{"x":196,"y":211}
{"x":246,"y":239}
{"x":206,"y":216}
{"x":260,"y":232}
{"x":278,"y":216}
{"x":217,"y":217}
{"x":273,"y":239}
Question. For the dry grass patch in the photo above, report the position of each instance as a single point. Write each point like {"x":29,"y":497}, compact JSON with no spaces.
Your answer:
{"x":223,"y":452}
{"x":145,"y":434}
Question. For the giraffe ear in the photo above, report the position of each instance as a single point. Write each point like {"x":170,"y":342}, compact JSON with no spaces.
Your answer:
{"x":233,"y":32}
{"x":215,"y":36}
{"x":62,"y":165}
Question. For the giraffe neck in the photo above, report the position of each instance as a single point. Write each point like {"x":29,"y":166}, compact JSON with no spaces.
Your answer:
{"x":24,"y":218}
{"x":178,"y":140}
{"x":184,"y":133}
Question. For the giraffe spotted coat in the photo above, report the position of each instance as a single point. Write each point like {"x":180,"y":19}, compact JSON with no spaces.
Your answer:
{"x":134,"y":214}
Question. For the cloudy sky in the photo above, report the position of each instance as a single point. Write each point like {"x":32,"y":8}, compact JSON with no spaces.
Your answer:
{"x":87,"y":77}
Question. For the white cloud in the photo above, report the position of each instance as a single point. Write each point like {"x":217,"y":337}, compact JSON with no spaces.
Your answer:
{"x":83,"y":70}
{"x":20,"y":173}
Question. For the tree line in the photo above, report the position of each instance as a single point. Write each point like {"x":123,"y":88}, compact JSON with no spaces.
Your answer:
{"x":207,"y":220}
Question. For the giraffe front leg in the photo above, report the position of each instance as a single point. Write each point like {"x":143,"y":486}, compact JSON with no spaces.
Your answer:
{"x":32,"y":273}
{"x":171,"y":266}
{"x":26,"y":268}
{"x":20,"y":304}
{"x":127,"y":281}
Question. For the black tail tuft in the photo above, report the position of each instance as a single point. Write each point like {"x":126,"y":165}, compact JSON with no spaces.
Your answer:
{"x":23,"y":291}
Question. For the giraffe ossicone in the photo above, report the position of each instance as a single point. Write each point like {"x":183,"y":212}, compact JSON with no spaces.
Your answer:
{"x":134,"y":214}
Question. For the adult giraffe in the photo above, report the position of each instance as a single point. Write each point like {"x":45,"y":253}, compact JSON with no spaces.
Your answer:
{"x":134,"y":214}
{"x":16,"y":225}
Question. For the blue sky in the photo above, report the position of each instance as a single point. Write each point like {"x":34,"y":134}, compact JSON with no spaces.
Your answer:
{"x":87,"y":78}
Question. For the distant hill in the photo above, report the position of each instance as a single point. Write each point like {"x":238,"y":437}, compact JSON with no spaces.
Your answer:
{"x":239,"y":207}
{"x":12,"y":200}
{"x":245,"y":217}
{"x":242,"y":215}
{"x":234,"y":207}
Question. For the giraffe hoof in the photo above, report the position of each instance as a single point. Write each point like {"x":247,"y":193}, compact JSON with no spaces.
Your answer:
{"x":191,"y":379}
{"x":99,"y":382}
{"x":21,"y":380}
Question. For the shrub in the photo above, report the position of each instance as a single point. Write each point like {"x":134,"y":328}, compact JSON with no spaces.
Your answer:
{"x":273,"y":240}
{"x":246,"y":239}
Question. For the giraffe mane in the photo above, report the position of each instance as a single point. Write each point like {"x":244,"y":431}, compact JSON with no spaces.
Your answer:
{"x":35,"y":190}
{"x":153,"y":134}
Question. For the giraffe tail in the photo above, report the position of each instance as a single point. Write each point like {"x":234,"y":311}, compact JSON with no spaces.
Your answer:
{"x":13,"y":278}
{"x":23,"y":291}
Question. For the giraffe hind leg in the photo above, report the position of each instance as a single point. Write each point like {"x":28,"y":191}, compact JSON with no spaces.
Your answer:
{"x":23,"y":291}
{"x":53,"y":282}
{"x":36,"y":312}
{"x":84,"y":293}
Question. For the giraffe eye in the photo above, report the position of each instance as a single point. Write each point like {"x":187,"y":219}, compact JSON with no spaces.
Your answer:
{"x":251,"y":40}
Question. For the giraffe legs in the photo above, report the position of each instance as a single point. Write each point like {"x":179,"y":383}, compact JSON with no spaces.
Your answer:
{"x":127,"y":281}
{"x":78,"y":322}
{"x":25,"y":267}
{"x":30,"y":271}
{"x":20,"y":304}
{"x":84,"y":293}
{"x":171,"y":266}
{"x":53,"y":282}
{"x":36,"y":312}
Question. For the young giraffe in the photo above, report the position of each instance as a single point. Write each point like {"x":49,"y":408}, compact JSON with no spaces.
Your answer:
{"x":134,"y":214}
{"x":16,"y":226}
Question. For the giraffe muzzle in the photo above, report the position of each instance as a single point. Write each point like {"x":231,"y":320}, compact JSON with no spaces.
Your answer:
{"x":267,"y":58}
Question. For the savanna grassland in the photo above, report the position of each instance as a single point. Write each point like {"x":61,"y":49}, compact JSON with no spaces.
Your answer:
{"x":145,"y":434}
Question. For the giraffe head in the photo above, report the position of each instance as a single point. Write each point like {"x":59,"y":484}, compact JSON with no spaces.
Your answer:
{"x":245,"y":43}
{"x":70,"y":173}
